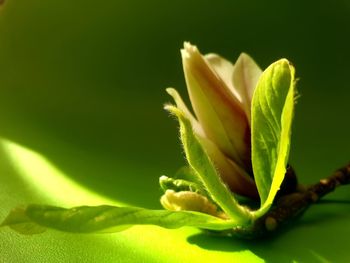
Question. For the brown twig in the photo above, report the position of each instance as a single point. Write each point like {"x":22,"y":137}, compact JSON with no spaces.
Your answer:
{"x":291,"y":206}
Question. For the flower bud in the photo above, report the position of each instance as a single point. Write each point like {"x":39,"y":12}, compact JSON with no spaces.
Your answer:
{"x":218,"y":110}
{"x":221,"y":94}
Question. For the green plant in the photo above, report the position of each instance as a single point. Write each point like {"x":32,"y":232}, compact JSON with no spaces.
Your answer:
{"x":238,"y":181}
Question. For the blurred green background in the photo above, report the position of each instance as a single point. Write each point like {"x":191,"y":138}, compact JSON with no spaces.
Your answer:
{"x":82,"y":83}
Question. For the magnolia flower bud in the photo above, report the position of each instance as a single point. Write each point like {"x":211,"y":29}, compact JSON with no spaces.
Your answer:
{"x":217,"y":109}
{"x":221,"y":94}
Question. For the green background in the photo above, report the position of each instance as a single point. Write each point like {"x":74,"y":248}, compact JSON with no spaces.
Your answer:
{"x":82,"y":83}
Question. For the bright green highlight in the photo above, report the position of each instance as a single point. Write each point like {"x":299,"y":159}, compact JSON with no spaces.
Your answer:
{"x":22,"y":164}
{"x":272,"y":114}
{"x":33,"y":167}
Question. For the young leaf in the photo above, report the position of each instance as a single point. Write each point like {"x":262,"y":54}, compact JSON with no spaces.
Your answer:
{"x":178,"y":185}
{"x":20,"y":222}
{"x":98,"y":219}
{"x":272,"y":114}
{"x":187,"y":173}
{"x":205,"y":170}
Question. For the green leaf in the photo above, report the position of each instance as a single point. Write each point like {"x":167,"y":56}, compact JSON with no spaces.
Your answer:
{"x":180,"y":185}
{"x":206,"y":172}
{"x":94,"y":219}
{"x":19,"y":221}
{"x":272,"y":114}
{"x":187,"y":173}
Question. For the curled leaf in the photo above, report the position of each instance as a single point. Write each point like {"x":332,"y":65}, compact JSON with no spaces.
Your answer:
{"x":97,"y":219}
{"x":272,"y":114}
{"x":178,"y":185}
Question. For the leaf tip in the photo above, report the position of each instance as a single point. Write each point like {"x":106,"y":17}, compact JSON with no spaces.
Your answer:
{"x":163,"y":181}
{"x":174,"y":111}
{"x":18,"y":220}
{"x":171,"y":91}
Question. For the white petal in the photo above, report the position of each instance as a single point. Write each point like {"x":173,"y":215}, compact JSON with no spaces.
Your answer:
{"x":224,"y":69}
{"x":219,"y":112}
{"x":246,"y":74}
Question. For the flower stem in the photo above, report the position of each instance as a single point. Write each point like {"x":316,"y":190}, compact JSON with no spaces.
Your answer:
{"x":289,"y":207}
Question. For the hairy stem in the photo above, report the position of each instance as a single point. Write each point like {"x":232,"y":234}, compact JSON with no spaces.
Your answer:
{"x":291,"y":206}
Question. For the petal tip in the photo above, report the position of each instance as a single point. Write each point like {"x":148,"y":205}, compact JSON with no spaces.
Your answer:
{"x":189,"y":50}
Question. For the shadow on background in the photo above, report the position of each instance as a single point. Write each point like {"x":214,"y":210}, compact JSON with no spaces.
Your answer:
{"x":83,"y":84}
{"x":320,"y":236}
{"x":92,"y":76}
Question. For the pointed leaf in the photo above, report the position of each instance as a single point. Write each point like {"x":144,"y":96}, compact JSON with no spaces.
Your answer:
{"x":232,"y":174}
{"x":206,"y":172}
{"x":89,"y":219}
{"x":236,"y":178}
{"x":182,"y":106}
{"x":21,"y":223}
{"x":272,"y":113}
